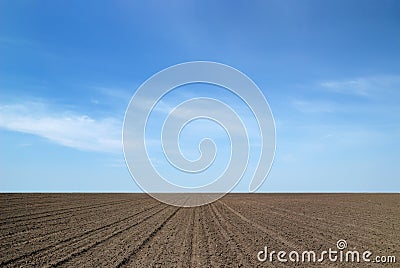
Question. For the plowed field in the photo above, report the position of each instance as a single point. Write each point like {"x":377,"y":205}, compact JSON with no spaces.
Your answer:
{"x":134,"y":230}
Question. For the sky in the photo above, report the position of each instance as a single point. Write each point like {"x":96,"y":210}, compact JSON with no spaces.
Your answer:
{"x":330,"y":71}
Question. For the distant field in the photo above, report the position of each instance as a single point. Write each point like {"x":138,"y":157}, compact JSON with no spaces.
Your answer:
{"x":134,"y":230}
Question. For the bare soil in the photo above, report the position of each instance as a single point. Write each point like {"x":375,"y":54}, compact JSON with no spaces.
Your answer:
{"x":134,"y":230}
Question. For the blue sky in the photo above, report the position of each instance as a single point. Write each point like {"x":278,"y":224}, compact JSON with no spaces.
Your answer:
{"x":330,"y":71}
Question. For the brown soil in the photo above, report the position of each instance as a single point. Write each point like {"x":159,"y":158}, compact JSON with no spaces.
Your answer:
{"x":134,"y":230}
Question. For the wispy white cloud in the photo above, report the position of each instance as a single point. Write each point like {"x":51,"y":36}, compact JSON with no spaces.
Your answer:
{"x":356,"y":87}
{"x":114,"y":92}
{"x":378,"y":94}
{"x":364,"y":86}
{"x":321,"y":141}
{"x":314,"y":106}
{"x":63,"y":127}
{"x":361,"y":117}
{"x":116,"y":163}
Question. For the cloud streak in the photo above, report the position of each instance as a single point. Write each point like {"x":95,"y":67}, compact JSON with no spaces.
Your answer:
{"x":314,"y":106}
{"x":364,"y":86}
{"x":78,"y":131}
